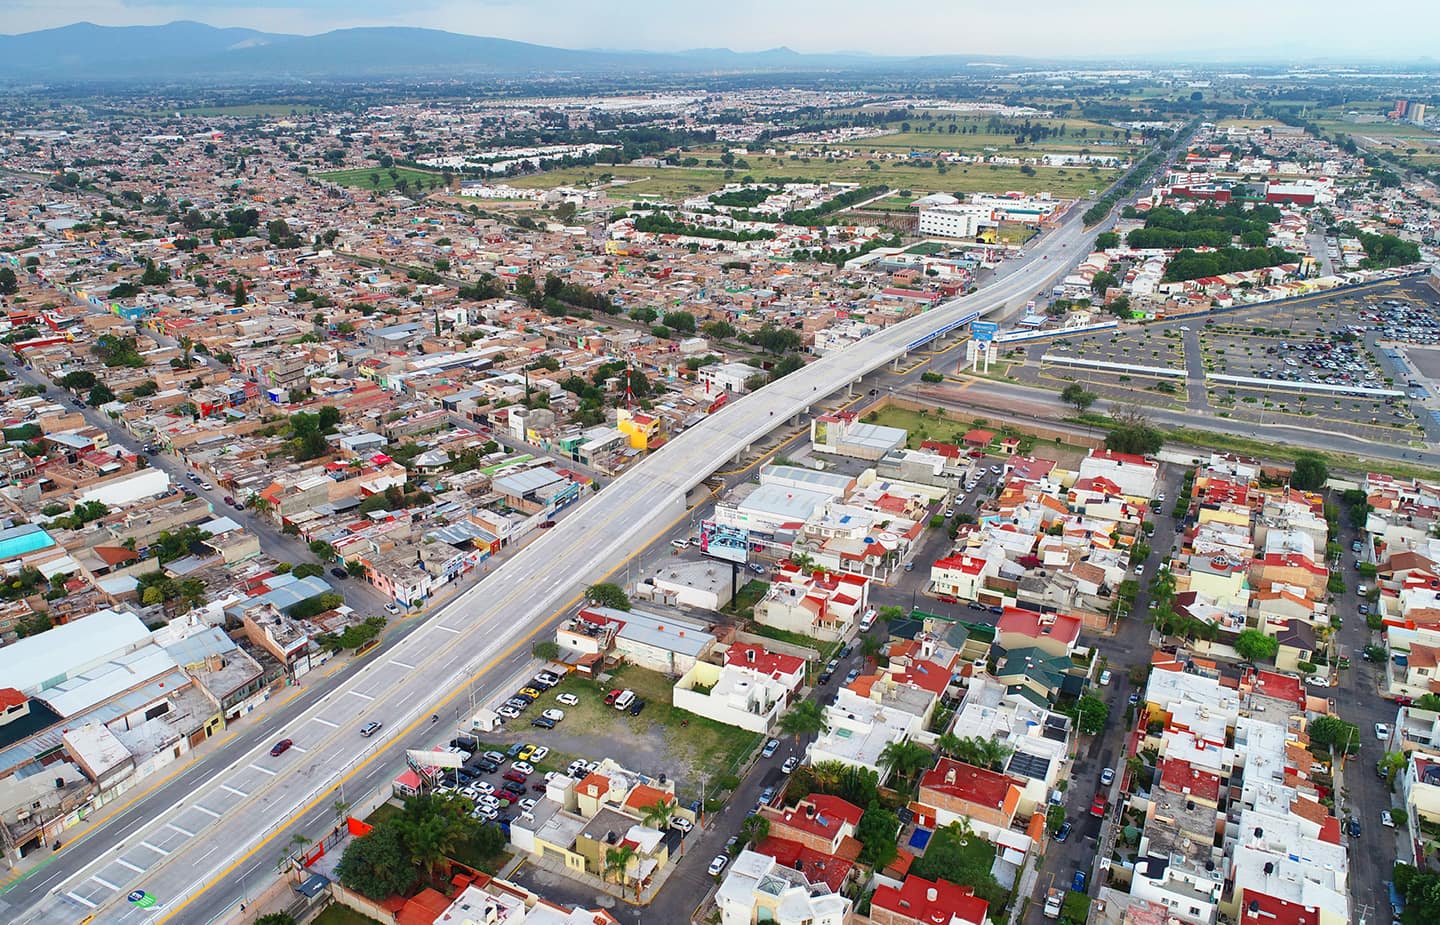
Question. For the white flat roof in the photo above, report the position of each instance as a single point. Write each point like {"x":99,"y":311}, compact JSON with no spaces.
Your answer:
{"x":69,"y":648}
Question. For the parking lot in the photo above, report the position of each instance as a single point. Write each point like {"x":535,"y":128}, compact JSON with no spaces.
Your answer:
{"x":1152,"y":345}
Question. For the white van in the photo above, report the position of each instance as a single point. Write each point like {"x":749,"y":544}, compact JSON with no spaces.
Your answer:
{"x":624,"y":700}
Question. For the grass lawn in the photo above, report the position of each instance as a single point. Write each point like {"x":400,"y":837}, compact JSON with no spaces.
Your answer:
{"x":948,"y":429}
{"x":748,"y":596}
{"x":892,"y":204}
{"x":699,"y":742}
{"x":826,"y":649}
{"x":1337,"y":462}
{"x":378,"y":178}
{"x":1075,"y":908}
{"x":383,"y":812}
{"x":336,"y":914}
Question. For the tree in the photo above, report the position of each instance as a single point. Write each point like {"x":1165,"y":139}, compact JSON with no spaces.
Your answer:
{"x":976,"y":750}
{"x":1392,"y":764}
{"x":684,"y":322}
{"x":546,"y":649}
{"x":377,"y":864}
{"x":876,"y":833}
{"x":100,"y":395}
{"x":79,"y":380}
{"x":9,"y":285}
{"x":1420,"y":889}
{"x":658,"y":814}
{"x":1130,"y":432}
{"x":754,"y":830}
{"x":1090,"y":713}
{"x":1253,"y":645}
{"x":239,"y":292}
{"x":322,"y":550}
{"x":805,"y":718}
{"x":952,"y":855}
{"x":606,"y":594}
{"x":432,"y":827}
{"x":617,"y":859}
{"x":905,"y":758}
{"x":1076,"y":395}
{"x":1311,"y":473}
{"x":1332,"y":732}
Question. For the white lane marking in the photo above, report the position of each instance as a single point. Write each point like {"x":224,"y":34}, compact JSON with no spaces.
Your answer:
{"x":325,"y":722}
{"x":159,"y":851}
{"x":187,"y":834}
{"x":206,"y":811}
{"x":234,"y":790}
{"x":103,"y":882}
{"x":358,"y":694}
{"x":441,"y":626}
{"x":82,"y":900}
{"x":263,"y":770}
{"x":399,"y":664}
{"x":135,"y":867}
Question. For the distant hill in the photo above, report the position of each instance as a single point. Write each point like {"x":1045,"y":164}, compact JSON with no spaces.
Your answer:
{"x":189,"y":49}
{"x":90,"y":50}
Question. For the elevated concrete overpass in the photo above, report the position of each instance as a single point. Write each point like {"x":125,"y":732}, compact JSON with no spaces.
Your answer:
{"x":194,"y":856}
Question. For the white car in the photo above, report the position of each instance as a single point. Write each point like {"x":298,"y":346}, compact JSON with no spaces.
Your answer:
{"x":489,"y":802}
{"x":391,"y":609}
{"x":551,"y":775}
{"x":507,"y":711}
{"x":539,"y":753}
{"x":790,"y":764}
{"x":526,"y":804}
{"x":553,"y":714}
{"x":1386,"y":819}
{"x":681,"y":544}
{"x":483,"y":787}
{"x":524,"y":767}
{"x":949,"y":512}
{"x":1105,"y":678}
{"x":577,"y":768}
{"x":570,"y":700}
{"x":717,"y":865}
{"x":1382,"y":731}
{"x":681,"y":824}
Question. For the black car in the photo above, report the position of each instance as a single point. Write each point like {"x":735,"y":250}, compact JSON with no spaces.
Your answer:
{"x":340,"y":573}
{"x":516,"y":788}
{"x":485,"y":765}
{"x":1353,"y":828}
{"x":637,"y":706}
{"x":523,"y":698}
{"x":544,"y":722}
{"x":845,"y":651}
{"x":825,"y":677}
{"x":541,"y":684}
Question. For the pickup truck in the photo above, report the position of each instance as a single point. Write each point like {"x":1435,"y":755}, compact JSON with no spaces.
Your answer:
{"x":1054,"y":899}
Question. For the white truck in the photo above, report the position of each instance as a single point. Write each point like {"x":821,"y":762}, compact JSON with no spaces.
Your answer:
{"x":1054,"y":899}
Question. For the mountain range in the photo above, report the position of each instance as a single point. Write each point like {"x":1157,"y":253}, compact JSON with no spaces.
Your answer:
{"x":85,"y":51}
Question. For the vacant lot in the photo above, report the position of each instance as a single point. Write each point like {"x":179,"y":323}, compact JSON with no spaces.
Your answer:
{"x":661,"y":740}
{"x":336,"y":914}
{"x":380,"y":178}
{"x":681,"y":182}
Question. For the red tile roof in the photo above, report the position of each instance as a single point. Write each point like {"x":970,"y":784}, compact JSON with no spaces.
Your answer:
{"x":831,"y":814}
{"x":1258,"y":908}
{"x":10,"y":697}
{"x":936,"y":903}
{"x":1028,"y":623}
{"x":755,"y":656}
{"x":817,"y":866}
{"x":980,"y":786}
{"x":1178,"y":776}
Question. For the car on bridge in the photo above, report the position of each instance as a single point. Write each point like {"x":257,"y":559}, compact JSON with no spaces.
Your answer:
{"x":280,"y":748}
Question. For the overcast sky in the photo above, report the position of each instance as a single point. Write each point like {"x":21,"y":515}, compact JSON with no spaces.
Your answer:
{"x":1376,"y":29}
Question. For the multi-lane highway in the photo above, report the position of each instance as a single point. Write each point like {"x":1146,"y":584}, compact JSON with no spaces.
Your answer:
{"x":192,"y":855}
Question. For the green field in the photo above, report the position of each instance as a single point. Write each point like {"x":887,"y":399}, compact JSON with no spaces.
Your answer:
{"x":674,"y":183}
{"x":336,"y":914}
{"x":379,"y":178}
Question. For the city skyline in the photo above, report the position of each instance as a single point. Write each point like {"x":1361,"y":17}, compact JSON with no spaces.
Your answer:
{"x":1285,"y":31}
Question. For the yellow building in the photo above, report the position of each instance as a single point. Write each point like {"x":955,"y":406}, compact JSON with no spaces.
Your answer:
{"x":643,"y":430}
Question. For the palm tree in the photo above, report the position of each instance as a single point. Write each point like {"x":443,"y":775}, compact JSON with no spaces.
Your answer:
{"x":949,"y":744}
{"x":805,"y":718}
{"x":870,"y":646}
{"x":658,"y":814}
{"x":905,"y":758}
{"x":616,"y":861}
{"x":803,"y":561}
{"x":827,"y":775}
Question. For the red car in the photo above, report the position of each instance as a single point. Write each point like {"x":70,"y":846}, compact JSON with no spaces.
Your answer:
{"x":280,"y":748}
{"x":515,"y":776}
{"x":613,"y":696}
{"x":506,"y":796}
{"x":949,"y":599}
{"x":1097,"y":806}
{"x":546,"y":524}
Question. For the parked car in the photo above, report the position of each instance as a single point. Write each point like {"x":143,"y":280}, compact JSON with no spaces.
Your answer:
{"x":1353,"y":828}
{"x":280,"y":748}
{"x":1386,"y":819}
{"x":514,"y":776}
{"x":543,"y":722}
{"x":770,"y":748}
{"x":1134,"y":698}
{"x":530,"y":692}
{"x":681,"y":824}
{"x":1105,"y":677}
{"x":767,"y":795}
{"x":391,"y":609}
{"x":508,"y":711}
{"x":1107,"y":777}
{"x":613,"y":696}
{"x":340,"y":573}
{"x":524,"y":767}
{"x":554,"y":715}
{"x":718,"y":865}
{"x":756,"y":567}
{"x":1077,"y":882}
{"x":546,"y":524}
{"x":539,"y":753}
{"x":1063,"y":832}
{"x":637,"y":706}
{"x":569,"y":700}
{"x":1098,"y":805}
{"x":790,"y":764}
{"x":1382,"y":731}
{"x":370,"y":728}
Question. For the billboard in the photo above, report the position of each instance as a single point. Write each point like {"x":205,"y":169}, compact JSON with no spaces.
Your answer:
{"x":731,"y":544}
{"x":984,"y":331}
